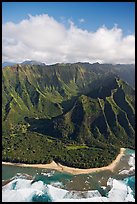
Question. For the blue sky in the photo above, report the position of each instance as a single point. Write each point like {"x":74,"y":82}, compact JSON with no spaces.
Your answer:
{"x":95,"y":14}
{"x":56,"y":32}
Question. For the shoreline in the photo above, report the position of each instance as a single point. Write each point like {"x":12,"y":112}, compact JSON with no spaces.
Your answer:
{"x":71,"y":170}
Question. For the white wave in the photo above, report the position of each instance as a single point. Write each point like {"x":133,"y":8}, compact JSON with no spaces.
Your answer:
{"x":131,"y":163}
{"x":61,"y":195}
{"x":104,"y":187}
{"x":57,"y":184}
{"x":23,"y":190}
{"x":49,"y":174}
{"x":93,"y":193}
{"x":82,"y":194}
{"x":119,"y":192}
{"x":94,"y":199}
{"x":56,"y":193}
{"x":124,"y":172}
{"x":130,"y":197}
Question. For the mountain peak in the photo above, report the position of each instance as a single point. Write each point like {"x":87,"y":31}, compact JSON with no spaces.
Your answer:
{"x":26,"y":62}
{"x":32,"y":62}
{"x":5,"y":64}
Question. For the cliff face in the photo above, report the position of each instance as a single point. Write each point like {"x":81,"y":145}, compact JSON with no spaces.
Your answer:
{"x":105,"y":115}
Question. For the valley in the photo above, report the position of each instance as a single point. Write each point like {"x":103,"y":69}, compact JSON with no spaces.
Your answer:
{"x":79,"y":115}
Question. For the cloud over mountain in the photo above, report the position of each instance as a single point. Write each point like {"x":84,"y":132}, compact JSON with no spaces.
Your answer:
{"x":44,"y":39}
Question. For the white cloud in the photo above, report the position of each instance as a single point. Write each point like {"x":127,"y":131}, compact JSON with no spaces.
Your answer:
{"x":44,"y":39}
{"x":81,"y":20}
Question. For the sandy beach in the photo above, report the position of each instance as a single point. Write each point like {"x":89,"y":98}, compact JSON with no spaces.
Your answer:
{"x":71,"y":170}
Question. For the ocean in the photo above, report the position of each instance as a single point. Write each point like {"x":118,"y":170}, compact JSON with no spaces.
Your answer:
{"x":26,"y":184}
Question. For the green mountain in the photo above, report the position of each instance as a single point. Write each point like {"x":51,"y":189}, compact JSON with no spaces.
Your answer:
{"x":85,"y":110}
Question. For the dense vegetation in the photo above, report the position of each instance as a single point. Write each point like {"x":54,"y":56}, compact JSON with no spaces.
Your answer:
{"x":37,"y":148}
{"x":76,"y":114}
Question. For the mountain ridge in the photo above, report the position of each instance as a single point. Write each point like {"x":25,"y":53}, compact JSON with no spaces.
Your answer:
{"x":26,"y":62}
{"x":125,"y":71}
{"x":67,"y":104}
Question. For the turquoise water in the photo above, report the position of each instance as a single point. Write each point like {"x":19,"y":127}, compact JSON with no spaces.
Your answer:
{"x":129,"y":151}
{"x":44,"y":185}
{"x":130,"y":181}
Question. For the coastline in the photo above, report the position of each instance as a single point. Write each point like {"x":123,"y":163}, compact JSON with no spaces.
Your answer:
{"x":71,"y":170}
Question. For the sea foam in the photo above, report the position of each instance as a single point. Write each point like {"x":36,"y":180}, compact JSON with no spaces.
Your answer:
{"x":131,"y":164}
{"x":23,"y":190}
{"x":119,"y":192}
